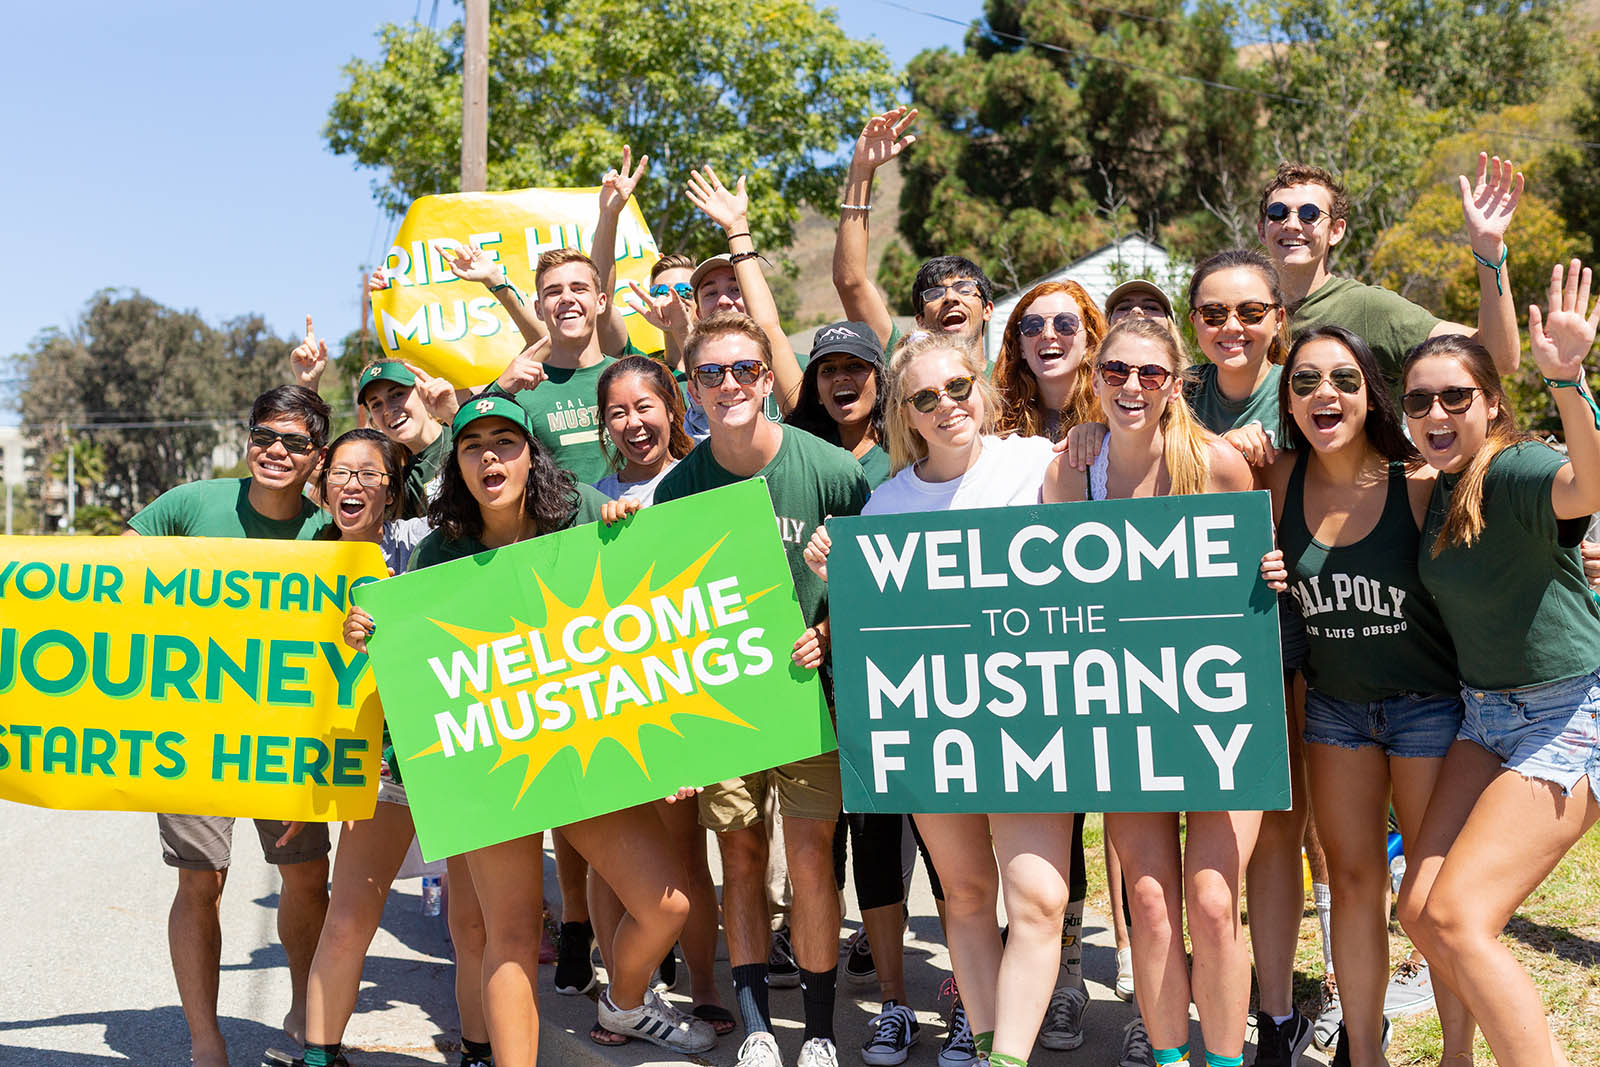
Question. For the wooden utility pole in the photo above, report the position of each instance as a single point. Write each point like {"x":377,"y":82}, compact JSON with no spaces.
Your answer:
{"x":475,"y":99}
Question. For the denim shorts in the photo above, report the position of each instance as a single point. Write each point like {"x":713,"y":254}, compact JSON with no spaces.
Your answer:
{"x":1550,"y":732}
{"x":1406,"y":725}
{"x":1292,"y":634}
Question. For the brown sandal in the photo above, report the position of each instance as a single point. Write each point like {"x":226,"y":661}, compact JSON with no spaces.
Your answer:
{"x":605,"y":1038}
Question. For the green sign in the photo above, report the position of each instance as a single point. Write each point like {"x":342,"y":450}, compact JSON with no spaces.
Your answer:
{"x":1111,"y":656}
{"x":591,"y":670}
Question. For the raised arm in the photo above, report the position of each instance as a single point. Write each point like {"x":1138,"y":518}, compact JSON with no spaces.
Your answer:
{"x":472,"y":264}
{"x":1561,"y":338}
{"x":883,"y":138}
{"x":309,"y":359}
{"x":730,"y":209}
{"x":615,"y":190}
{"x":1489,"y":205}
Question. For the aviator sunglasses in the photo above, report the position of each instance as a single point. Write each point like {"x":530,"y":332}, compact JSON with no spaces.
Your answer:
{"x":1307,"y":213}
{"x":745,"y":372}
{"x":1454,"y":400}
{"x":957,"y":389}
{"x":1345,"y":379}
{"x":1065,"y":322}
{"x":1116,"y":373}
{"x":296,"y":443}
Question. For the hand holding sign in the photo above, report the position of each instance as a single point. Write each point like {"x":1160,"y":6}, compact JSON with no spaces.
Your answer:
{"x":816,"y":552}
{"x":309,"y":358}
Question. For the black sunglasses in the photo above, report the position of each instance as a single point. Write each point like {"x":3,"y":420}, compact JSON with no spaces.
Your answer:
{"x":1278,"y":211}
{"x":1065,"y":322}
{"x":1115,"y":373}
{"x":1250,"y":312}
{"x":745,"y":372}
{"x":683,"y":289}
{"x":1345,"y":379}
{"x":1454,"y":400}
{"x":297,"y":443}
{"x":957,"y":389}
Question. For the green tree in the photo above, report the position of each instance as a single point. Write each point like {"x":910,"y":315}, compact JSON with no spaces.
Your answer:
{"x":764,"y":88}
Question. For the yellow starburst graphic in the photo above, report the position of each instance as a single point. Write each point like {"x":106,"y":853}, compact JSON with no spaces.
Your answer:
{"x":618,"y":694}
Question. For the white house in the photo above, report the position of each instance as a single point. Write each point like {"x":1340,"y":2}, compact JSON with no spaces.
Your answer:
{"x":1099,"y":272}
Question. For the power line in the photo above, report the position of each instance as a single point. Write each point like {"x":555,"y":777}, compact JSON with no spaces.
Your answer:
{"x":1209,"y":83}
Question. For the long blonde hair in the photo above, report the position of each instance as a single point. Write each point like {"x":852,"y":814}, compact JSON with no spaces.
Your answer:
{"x":1185,"y":443}
{"x":1463,"y":523}
{"x":906,"y":445}
{"x":1021,"y":410}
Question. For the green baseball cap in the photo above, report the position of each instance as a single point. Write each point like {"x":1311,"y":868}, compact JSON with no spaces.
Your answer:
{"x":486,"y":405}
{"x":387,"y":370}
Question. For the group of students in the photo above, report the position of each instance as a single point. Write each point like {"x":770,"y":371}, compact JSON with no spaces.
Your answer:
{"x":1440,"y":640}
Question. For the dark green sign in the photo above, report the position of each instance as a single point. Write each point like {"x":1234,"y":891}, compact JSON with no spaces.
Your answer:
{"x":1111,"y":656}
{"x":591,"y":670}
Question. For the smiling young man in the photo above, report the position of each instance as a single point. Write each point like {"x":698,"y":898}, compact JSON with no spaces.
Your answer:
{"x":728,"y":359}
{"x":1304,"y":215}
{"x":288,"y":432}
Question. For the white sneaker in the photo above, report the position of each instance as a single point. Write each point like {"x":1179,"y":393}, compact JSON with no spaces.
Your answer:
{"x":659,"y":1023}
{"x":1063,"y":1019}
{"x":760,"y":1049}
{"x":1409,"y":991}
{"x":818,"y":1052}
{"x":1124,"y":987}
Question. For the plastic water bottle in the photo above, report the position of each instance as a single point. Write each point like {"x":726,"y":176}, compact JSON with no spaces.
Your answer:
{"x":432,"y":894}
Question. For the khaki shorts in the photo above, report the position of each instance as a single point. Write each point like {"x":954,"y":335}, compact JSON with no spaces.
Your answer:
{"x":205,"y":842}
{"x":807,"y":789}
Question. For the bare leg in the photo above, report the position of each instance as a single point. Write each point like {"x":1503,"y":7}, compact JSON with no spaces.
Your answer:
{"x":370,"y":852}
{"x":886,"y":932}
{"x":572,"y":878}
{"x":605,"y":913}
{"x":687,"y":840}
{"x":509,"y":878}
{"x":814,"y":915}
{"x":744,"y":894}
{"x":1216,"y":849}
{"x":1152,"y":871}
{"x":1119,"y":920}
{"x":302,"y":905}
{"x":1275,"y":882}
{"x":1035,"y":855}
{"x":466,"y":935}
{"x":963,"y":856}
{"x":194,"y":939}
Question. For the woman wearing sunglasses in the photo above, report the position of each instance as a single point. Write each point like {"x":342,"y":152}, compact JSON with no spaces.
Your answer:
{"x":362,"y":486}
{"x":1155,"y":447}
{"x":1499,"y":554}
{"x":500,"y":486}
{"x":1382,"y":703}
{"x":940,"y":420}
{"x":1041,"y":372}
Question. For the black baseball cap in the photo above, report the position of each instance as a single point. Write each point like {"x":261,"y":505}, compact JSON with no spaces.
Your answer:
{"x":847,"y":338}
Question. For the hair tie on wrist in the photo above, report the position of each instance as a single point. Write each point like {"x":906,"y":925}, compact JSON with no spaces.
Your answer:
{"x":1499,"y":289}
{"x":1558,"y":383}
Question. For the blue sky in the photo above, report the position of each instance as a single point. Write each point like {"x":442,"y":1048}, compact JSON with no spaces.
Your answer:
{"x":176,"y":147}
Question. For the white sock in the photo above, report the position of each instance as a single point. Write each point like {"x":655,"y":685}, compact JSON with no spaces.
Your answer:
{"x":1072,"y":943}
{"x":1324,"y":902}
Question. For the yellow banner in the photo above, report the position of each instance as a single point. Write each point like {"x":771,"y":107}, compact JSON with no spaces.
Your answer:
{"x":203,"y":676}
{"x":457,"y":329}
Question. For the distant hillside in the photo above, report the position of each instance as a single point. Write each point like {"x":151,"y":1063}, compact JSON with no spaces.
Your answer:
{"x":812,"y":250}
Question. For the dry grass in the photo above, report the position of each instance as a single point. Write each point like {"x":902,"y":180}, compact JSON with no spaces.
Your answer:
{"x":1555,"y":935}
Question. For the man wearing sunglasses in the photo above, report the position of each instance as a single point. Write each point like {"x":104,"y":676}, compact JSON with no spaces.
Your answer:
{"x":728,"y":358}
{"x":287,"y":436}
{"x":1303,"y":217}
{"x":951,"y":294}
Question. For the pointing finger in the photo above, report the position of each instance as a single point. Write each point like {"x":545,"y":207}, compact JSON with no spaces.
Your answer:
{"x":311,"y":334}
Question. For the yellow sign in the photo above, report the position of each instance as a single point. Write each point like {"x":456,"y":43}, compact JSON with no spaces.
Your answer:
{"x":203,"y":676}
{"x":457,"y":329}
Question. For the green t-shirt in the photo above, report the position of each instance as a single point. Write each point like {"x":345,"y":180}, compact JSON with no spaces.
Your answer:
{"x":422,"y":475}
{"x":875,"y":465}
{"x":1515,"y":601}
{"x":220,"y":507}
{"x":1219,"y":414}
{"x":808,"y":479}
{"x":436,"y":548}
{"x":566,"y":418}
{"x":1389,"y":323}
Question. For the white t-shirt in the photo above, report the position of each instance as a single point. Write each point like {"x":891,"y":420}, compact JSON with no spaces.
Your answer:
{"x":617,"y":489}
{"x":1010,"y":470}
{"x":399,"y":538}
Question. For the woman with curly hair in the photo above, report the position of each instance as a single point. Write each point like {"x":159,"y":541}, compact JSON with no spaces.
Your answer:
{"x":1042,"y":373}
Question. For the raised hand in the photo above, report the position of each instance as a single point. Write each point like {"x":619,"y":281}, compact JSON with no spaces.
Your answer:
{"x":472,"y":264}
{"x":438,"y":395}
{"x":527,"y":370}
{"x":883,"y":138}
{"x":378,"y":280}
{"x":1489,"y":203}
{"x":728,"y":208}
{"x":668,"y":313}
{"x":309,"y":358}
{"x":618,"y":185}
{"x":1562,"y":337}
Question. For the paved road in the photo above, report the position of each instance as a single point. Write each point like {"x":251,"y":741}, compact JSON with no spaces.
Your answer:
{"x":85,"y":979}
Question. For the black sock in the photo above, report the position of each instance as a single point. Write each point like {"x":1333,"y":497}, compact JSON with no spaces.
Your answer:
{"x":750,"y":986}
{"x":322,"y":1055}
{"x":816,"y":991}
{"x":476,"y":1049}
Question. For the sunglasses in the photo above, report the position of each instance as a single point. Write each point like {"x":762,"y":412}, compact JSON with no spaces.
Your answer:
{"x":1454,"y":400}
{"x":961,"y":288}
{"x":297,"y":443}
{"x":745,"y":372}
{"x":1345,"y":379}
{"x":1308,"y":213}
{"x":1116,"y":373}
{"x":683,"y":289}
{"x":957,"y":389}
{"x":1065,"y":322}
{"x":365,"y":479}
{"x":1250,"y":312}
